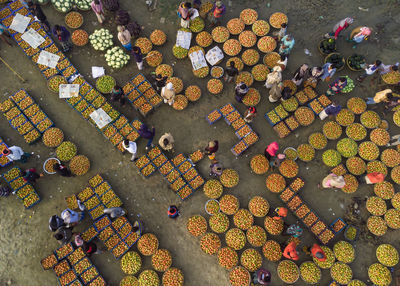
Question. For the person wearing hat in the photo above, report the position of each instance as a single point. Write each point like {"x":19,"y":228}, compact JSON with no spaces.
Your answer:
{"x":168,"y":93}
{"x":287,"y":44}
{"x":315,"y":251}
{"x":173,"y":212}
{"x":340,"y":27}
{"x":216,"y":13}
{"x":333,"y":181}
{"x":241,"y":90}
{"x":281,"y":213}
{"x":250,"y":114}
{"x":55,"y":222}
{"x":271,"y":150}
{"x":274,"y":77}
{"x":71,"y":217}
{"x":211,"y":149}
{"x":131,"y":147}
{"x":15,"y":153}
{"x":290,"y":251}
{"x":124,"y":36}
{"x":166,"y":142}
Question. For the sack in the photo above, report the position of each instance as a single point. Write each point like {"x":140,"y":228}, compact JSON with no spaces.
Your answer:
{"x":185,"y":24}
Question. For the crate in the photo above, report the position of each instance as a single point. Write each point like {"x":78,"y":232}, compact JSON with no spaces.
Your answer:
{"x":338,"y":221}
{"x":215,"y":112}
{"x":272,"y":118}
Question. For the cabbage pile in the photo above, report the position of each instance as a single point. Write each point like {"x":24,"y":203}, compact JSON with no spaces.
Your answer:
{"x":66,"y":5}
{"x":101,"y":39}
{"x":116,"y":58}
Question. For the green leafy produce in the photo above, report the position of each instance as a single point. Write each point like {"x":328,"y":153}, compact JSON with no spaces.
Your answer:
{"x":105,"y":84}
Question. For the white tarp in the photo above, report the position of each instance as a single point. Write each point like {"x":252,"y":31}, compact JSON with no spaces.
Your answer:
{"x":33,"y":38}
{"x":214,"y":55}
{"x":183,"y":39}
{"x":198,"y":60}
{"x":68,"y":90}
{"x":97,"y":72}
{"x":19,"y":23}
{"x":100,"y":117}
{"x":48,"y":59}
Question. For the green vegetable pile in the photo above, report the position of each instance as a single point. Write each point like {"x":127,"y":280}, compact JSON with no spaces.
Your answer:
{"x":356,"y":62}
{"x":328,"y":46}
{"x":105,"y":84}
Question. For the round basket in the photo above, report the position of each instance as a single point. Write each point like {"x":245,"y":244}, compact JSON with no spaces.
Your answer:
{"x":320,"y":50}
{"x":205,"y":206}
{"x":80,"y":38}
{"x":57,"y":79}
{"x":214,"y":69}
{"x":271,"y":59}
{"x":349,"y":66}
{"x":74,"y":20}
{"x":291,"y":149}
{"x":331,"y":54}
{"x":45,"y":163}
{"x":106,"y":89}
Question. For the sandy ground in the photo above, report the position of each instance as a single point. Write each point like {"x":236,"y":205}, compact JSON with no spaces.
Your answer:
{"x":25,"y":237}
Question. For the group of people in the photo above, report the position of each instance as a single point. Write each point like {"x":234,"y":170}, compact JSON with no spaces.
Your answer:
{"x":188,"y":11}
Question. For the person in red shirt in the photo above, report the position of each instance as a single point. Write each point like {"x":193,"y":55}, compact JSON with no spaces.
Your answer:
{"x":339,"y":27}
{"x":291,"y":252}
{"x":317,"y":252}
{"x":373,"y":178}
{"x":216,"y":14}
{"x":281,"y":213}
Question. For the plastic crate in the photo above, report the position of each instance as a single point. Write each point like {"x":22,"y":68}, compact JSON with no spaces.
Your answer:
{"x":266,"y":116}
{"x":215,"y":120}
{"x":104,"y":218}
{"x":334,"y":222}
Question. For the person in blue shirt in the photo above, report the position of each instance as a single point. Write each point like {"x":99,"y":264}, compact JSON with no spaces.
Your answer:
{"x":287,"y":44}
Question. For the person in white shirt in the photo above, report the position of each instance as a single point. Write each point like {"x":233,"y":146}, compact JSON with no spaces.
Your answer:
{"x":71,"y":217}
{"x":131,"y":147}
{"x":15,"y":153}
{"x":384,"y":69}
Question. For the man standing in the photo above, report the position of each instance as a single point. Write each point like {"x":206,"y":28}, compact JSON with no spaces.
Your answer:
{"x":231,"y":72}
{"x":147,"y":134}
{"x":38,"y":13}
{"x":131,"y":147}
{"x":217,"y":13}
{"x":15,"y":153}
{"x":137,"y":54}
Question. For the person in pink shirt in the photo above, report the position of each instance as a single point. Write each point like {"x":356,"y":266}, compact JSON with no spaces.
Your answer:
{"x":97,"y":8}
{"x":339,"y":27}
{"x":271,"y":150}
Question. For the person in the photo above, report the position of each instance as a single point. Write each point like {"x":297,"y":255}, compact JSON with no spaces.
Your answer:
{"x":168,"y":93}
{"x":55,"y":222}
{"x":337,"y":86}
{"x":381,"y":96}
{"x":241,"y":90}
{"x":62,"y":170}
{"x":271,"y":150}
{"x":314,"y":75}
{"x":290,"y":251}
{"x":281,"y":213}
{"x":216,"y":13}
{"x":97,"y":8}
{"x":215,"y":168}
{"x":274,"y":77}
{"x":358,"y":35}
{"x":330,"y":110}
{"x":231,"y":71}
{"x":332,"y":181}
{"x":277,"y":161}
{"x":294,"y":230}
{"x":63,"y":36}
{"x":184,"y":14}
{"x":30,"y":175}
{"x":384,"y":69}
{"x":278,"y":35}
{"x":117,"y":94}
{"x":115,"y":212}
{"x":137,"y":54}
{"x":275,"y":93}
{"x":147,"y":134}
{"x":90,"y":248}
{"x":173,"y":211}
{"x":282,"y":62}
{"x":250,"y":114}
{"x":286,"y":93}
{"x":373,"y":178}
{"x":161,"y":81}
{"x":394,"y":140}
{"x":134,"y":28}
{"x":5,"y":191}
{"x":370,"y":70}
{"x":15,"y":153}
{"x":63,"y":235}
{"x":71,"y":217}
{"x":287,"y":43}
{"x":37,"y":11}
{"x":328,"y":71}
{"x":124,"y":36}
{"x":316,"y":252}
{"x":340,"y":27}
{"x":166,"y":142}
{"x":4,"y":34}
{"x":262,"y":277}
{"x":131,"y":147}
{"x":391,"y":104}
{"x":300,"y":74}
{"x":211,"y":149}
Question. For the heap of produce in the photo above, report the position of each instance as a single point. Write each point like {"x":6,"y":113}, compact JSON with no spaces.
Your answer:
{"x":116,"y":57}
{"x":328,"y":46}
{"x":101,"y":39}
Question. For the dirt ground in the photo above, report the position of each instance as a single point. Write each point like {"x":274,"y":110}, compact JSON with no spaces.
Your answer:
{"x":25,"y":238}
